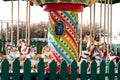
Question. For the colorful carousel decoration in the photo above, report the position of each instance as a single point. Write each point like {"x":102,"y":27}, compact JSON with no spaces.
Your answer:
{"x":63,"y":26}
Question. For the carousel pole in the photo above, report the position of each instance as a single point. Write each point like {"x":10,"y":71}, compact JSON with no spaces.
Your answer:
{"x":18,"y":20}
{"x":26,"y":33}
{"x":100,"y":22}
{"x":110,"y":24}
{"x":107,"y":29}
{"x":29,"y":24}
{"x":81,"y":32}
{"x":104,"y":21}
{"x":107,"y":58}
{"x":12,"y":22}
{"x":1,"y":30}
{"x":94,"y":27}
{"x":7,"y":24}
{"x":90,"y":17}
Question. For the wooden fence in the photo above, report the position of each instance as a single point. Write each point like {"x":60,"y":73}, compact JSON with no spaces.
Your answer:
{"x":105,"y":70}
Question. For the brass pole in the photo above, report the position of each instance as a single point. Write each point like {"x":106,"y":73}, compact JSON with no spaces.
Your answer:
{"x":12,"y":22}
{"x":104,"y":20}
{"x":29,"y":25}
{"x":100,"y":22}
{"x":18,"y":20}
{"x":81,"y":32}
{"x":81,"y":23}
{"x":110,"y":23}
{"x":7,"y":31}
{"x":90,"y":17}
{"x":107,"y":30}
{"x":26,"y":33}
{"x":94,"y":27}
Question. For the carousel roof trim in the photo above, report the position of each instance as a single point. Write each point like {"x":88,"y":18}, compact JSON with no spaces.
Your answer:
{"x":113,"y":1}
{"x":84,"y":2}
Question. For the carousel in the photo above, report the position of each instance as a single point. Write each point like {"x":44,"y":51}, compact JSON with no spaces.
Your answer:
{"x":62,"y":34}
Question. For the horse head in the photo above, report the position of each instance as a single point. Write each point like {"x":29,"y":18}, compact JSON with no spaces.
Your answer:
{"x":88,"y":40}
{"x":20,"y":43}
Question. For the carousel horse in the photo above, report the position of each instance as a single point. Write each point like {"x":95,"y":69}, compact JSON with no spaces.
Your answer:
{"x":96,"y":53}
{"x":12,"y":55}
{"x":113,"y":57}
{"x":46,"y":54}
{"x":8,"y":47}
{"x":33,"y":56}
{"x":88,"y":40}
{"x":103,"y":48}
{"x":24,"y":50}
{"x":24,"y":47}
{"x":111,"y":54}
{"x":85,"y":55}
{"x":28,"y":52}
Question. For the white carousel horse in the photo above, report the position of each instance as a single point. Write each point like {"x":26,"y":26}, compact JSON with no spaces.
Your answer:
{"x":85,"y":55}
{"x":111,"y":54}
{"x":33,"y":56}
{"x":46,"y":54}
{"x":24,"y":47}
{"x":12,"y":55}
{"x":103,"y":48}
{"x":113,"y":57}
{"x":8,"y":47}
{"x":96,"y":53}
{"x":24,"y":51}
{"x":11,"y":52}
{"x":88,"y":40}
{"x":28,"y":52}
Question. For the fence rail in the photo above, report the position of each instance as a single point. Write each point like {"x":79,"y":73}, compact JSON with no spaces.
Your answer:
{"x":108,"y":70}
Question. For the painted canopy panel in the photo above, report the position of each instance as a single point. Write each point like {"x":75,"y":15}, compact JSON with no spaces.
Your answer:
{"x":66,"y":1}
{"x":113,"y":1}
{"x":42,"y":2}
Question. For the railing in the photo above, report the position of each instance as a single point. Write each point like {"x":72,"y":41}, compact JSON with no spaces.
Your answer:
{"x":106,"y":71}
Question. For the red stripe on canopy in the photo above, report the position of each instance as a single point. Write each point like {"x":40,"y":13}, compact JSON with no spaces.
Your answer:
{"x":64,"y":6}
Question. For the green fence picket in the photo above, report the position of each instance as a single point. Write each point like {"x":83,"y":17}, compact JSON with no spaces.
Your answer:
{"x":111,"y":70}
{"x":83,"y":68}
{"x":41,"y":67}
{"x":52,"y":75}
{"x":102,"y":70}
{"x":118,"y":76}
{"x":63,"y":69}
{"x":16,"y":69}
{"x":52,"y":66}
{"x":5,"y":70}
{"x":27,"y":70}
{"x":73,"y":75}
{"x":38,"y":47}
{"x":0,"y":45}
{"x":93,"y":70}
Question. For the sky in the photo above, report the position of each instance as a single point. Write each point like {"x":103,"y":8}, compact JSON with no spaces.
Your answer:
{"x":38,"y":14}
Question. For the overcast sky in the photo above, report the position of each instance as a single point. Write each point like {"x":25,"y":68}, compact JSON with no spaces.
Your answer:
{"x":38,"y":14}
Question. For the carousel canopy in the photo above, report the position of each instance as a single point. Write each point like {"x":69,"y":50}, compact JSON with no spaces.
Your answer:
{"x":85,"y":2}
{"x":43,"y":2}
{"x":113,"y":1}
